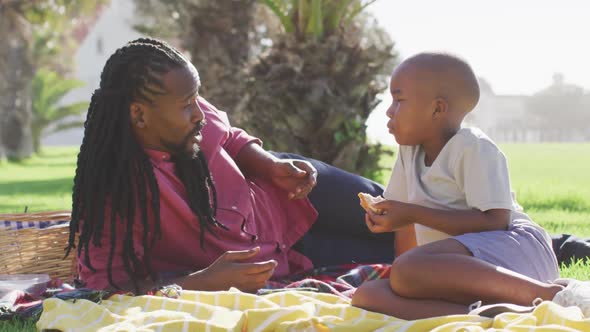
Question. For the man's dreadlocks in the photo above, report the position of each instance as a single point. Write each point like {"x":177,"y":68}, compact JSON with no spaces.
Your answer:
{"x":113,"y":169}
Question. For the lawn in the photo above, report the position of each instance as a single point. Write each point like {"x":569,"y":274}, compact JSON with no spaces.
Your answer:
{"x":551,"y":182}
{"x":40,"y":183}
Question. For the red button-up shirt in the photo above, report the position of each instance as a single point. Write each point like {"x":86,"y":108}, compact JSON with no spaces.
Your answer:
{"x":256,"y":213}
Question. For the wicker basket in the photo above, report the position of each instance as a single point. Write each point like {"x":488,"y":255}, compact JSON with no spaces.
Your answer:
{"x":37,"y":250}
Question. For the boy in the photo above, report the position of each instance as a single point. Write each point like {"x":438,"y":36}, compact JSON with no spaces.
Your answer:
{"x":450,"y":194}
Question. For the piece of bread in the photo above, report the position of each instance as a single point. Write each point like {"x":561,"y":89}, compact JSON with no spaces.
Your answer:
{"x":367,"y":202}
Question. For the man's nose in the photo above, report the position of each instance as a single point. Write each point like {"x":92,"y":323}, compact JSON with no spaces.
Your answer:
{"x":198,"y":114}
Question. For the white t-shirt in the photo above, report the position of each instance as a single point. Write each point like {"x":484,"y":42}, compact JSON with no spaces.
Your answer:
{"x":469,"y":172}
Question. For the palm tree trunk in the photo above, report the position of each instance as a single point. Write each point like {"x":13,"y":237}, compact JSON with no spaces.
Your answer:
{"x":16,"y":73}
{"x":219,"y":42}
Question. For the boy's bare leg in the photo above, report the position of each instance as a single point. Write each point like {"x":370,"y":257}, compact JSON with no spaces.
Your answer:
{"x":445,"y":270}
{"x":377,"y":296}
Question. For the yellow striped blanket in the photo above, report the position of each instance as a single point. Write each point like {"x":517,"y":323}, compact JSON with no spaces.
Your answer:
{"x":282,"y":311}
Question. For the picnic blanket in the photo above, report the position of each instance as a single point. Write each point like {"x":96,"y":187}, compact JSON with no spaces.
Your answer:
{"x":280,"y":311}
{"x":340,"y":280}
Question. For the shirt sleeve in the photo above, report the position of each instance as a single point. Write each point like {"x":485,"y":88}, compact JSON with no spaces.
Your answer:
{"x":482,"y":172}
{"x":235,"y":138}
{"x":238,"y":138}
{"x":397,"y":187}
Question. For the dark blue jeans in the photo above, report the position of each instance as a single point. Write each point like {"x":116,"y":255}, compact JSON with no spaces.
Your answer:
{"x":339,"y":235}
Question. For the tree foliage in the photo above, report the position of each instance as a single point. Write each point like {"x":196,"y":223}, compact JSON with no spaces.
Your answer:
{"x":48,"y":91}
{"x":314,"y":89}
{"x":559,"y":106}
{"x":35,"y":33}
{"x":303,"y":75}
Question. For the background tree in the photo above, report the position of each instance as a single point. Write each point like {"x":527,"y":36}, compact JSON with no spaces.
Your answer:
{"x":219,"y":35}
{"x":313,"y":90}
{"x":302,"y":75}
{"x":560,"y":111}
{"x":32,"y":32}
{"x":48,"y":90}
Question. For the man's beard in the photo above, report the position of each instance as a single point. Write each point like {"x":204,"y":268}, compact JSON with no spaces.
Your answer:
{"x":183,"y":149}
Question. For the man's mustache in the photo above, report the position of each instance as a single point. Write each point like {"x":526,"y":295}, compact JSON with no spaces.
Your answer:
{"x":198,"y":127}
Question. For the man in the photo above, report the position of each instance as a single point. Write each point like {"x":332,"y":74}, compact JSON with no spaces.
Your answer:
{"x":166,"y":191}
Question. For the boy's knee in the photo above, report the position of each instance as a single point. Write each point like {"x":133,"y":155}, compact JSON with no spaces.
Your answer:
{"x":364,"y":295}
{"x":360,"y":296}
{"x":405,"y":274}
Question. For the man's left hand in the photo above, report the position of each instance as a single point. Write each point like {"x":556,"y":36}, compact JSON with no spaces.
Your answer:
{"x":296,"y":177}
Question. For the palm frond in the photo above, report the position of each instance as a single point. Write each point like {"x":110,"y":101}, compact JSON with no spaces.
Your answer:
{"x":315,"y":25}
{"x":48,"y":89}
{"x":68,"y":110}
{"x":302,"y":14}
{"x":279,"y":9}
{"x":68,"y":125}
{"x":335,"y":12}
{"x":358,"y":8}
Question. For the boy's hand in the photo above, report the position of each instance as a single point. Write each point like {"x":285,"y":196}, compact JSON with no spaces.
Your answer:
{"x":394,"y":215}
{"x":368,"y":201}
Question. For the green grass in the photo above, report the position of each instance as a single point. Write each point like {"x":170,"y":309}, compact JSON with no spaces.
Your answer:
{"x":551,"y":182}
{"x":12,"y":326}
{"x":41,"y":183}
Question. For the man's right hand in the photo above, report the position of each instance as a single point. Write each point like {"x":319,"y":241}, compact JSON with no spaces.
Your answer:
{"x":229,"y":270}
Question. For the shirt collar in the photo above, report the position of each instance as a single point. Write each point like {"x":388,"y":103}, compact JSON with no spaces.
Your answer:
{"x":157,"y":155}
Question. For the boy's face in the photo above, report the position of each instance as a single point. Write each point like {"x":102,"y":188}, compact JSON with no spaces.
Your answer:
{"x":410,"y":113}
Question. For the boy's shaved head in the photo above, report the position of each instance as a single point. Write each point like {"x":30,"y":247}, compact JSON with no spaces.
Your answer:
{"x":448,"y":77}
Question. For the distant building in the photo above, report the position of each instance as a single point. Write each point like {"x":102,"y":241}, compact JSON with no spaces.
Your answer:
{"x":502,"y":117}
{"x":507,"y":118}
{"x":112,"y":29}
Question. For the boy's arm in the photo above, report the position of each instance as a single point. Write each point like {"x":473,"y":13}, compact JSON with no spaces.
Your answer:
{"x":405,"y":239}
{"x":481,"y":171}
{"x":457,"y":222}
{"x":398,"y":215}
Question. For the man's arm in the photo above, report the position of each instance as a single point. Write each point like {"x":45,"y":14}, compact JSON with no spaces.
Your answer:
{"x":254,"y":161}
{"x":296,"y":177}
{"x":227,"y":271}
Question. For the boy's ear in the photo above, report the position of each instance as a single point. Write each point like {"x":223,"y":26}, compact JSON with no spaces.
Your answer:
{"x":137,"y":115}
{"x":441,"y":107}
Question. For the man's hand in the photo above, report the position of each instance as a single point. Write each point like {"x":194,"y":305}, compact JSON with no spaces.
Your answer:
{"x":296,"y":177}
{"x":394,"y":215}
{"x":229,"y":271}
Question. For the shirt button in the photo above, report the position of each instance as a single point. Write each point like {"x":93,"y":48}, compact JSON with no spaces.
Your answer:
{"x":234,"y":207}
{"x":284,"y":246}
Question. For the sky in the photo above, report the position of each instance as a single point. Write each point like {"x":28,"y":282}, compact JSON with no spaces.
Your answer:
{"x":515,"y":45}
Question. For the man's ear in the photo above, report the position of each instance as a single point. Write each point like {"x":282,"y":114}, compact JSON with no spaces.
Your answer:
{"x":441,"y":107}
{"x":137,"y":115}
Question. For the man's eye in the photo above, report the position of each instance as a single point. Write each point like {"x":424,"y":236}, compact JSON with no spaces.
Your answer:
{"x":192,"y":99}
